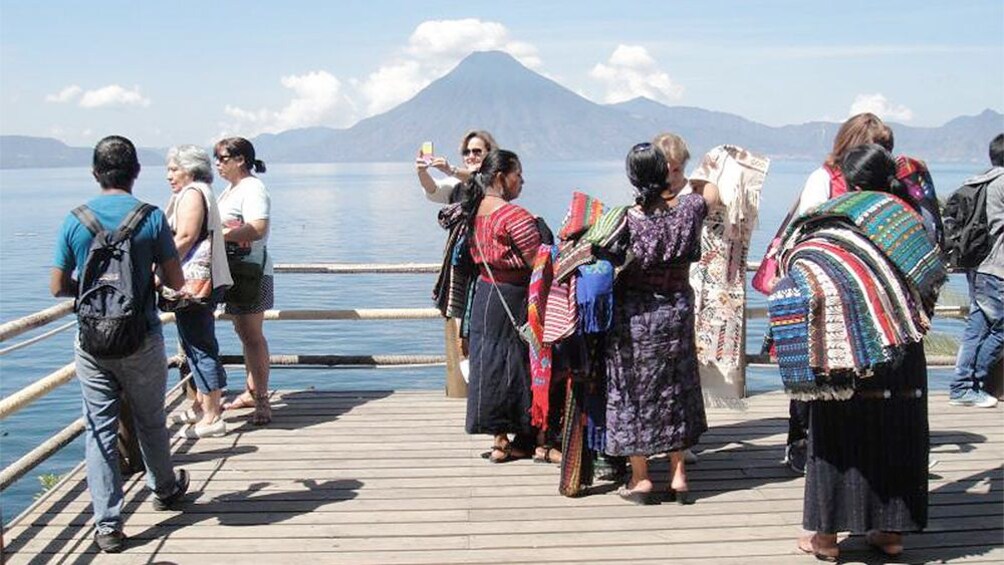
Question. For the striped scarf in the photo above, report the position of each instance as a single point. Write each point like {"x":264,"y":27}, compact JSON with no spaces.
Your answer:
{"x":540,"y":352}
{"x":861,"y":282}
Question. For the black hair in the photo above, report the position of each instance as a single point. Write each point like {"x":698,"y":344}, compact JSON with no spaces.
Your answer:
{"x":115,"y":163}
{"x":872,"y":167}
{"x":497,"y":161}
{"x":997,"y":151}
{"x":648,"y":172}
{"x":240,"y":147}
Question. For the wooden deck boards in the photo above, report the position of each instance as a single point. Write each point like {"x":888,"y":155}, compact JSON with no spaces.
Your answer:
{"x":391,"y":477}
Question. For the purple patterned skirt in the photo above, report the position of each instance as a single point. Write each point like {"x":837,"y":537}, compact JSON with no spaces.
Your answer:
{"x":654,"y":400}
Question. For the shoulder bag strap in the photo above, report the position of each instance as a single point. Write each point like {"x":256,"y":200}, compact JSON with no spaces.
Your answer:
{"x":491,"y":276}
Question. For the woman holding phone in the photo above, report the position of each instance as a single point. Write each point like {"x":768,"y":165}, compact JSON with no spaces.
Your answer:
{"x":473,"y":147}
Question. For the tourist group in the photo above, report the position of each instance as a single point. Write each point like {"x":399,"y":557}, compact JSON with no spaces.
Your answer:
{"x":593,"y":346}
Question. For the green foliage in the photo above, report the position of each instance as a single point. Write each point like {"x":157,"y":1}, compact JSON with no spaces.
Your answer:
{"x":48,"y":480}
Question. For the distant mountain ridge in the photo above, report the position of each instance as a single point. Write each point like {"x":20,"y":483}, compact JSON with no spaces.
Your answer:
{"x":540,"y":119}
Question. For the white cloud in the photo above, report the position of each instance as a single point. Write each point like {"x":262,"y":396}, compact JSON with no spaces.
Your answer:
{"x":317,"y":100}
{"x":435,"y":47}
{"x":631,"y":72}
{"x":879,"y":105}
{"x":451,"y":40}
{"x":113,"y":95}
{"x":65,"y":95}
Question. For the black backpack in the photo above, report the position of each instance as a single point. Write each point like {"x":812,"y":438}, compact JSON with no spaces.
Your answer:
{"x":967,"y":236}
{"x":111,"y":312}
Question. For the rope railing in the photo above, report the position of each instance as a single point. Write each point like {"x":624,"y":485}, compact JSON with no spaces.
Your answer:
{"x":18,"y":400}
{"x":22,"y":398}
{"x":19,"y":326}
{"x":64,"y":437}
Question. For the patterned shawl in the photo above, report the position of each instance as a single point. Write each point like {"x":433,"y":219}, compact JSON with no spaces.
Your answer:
{"x":719,"y":277}
{"x":453,"y":287}
{"x":861,"y":281}
{"x":540,"y":352}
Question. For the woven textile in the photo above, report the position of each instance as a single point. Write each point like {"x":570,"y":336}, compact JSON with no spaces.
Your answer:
{"x":719,"y":276}
{"x":858,"y":267}
{"x":582,"y":213}
{"x":894,"y":227}
{"x":540,"y":352}
{"x":452,"y":290}
{"x":607,"y":227}
{"x":594,"y":297}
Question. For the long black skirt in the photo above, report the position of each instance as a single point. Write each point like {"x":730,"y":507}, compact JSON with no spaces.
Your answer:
{"x":498,"y":394}
{"x":868,"y":456}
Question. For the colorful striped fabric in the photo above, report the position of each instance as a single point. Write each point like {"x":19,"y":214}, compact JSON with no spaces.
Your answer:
{"x":540,"y":352}
{"x":894,"y":227}
{"x":857,"y":269}
{"x":582,"y":213}
{"x":607,"y":227}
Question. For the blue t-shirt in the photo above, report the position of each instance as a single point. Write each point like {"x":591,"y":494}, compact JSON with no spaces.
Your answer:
{"x":152,"y":244}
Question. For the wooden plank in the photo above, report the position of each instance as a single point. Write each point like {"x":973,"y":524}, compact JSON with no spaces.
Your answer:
{"x":339,"y":477}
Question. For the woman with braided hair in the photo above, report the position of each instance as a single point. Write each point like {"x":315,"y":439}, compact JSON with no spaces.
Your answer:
{"x":503,"y":239}
{"x":654,"y":400}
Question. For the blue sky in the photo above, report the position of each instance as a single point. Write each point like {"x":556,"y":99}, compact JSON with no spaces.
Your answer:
{"x":189,"y":72}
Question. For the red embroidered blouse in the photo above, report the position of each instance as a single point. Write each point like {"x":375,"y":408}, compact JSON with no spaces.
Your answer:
{"x":504,"y":236}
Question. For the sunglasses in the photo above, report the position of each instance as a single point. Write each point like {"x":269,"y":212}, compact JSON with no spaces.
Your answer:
{"x":642,"y":147}
{"x":222,"y":158}
{"x":477,"y":152}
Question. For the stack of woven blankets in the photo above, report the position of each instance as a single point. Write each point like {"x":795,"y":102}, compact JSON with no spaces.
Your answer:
{"x":861,"y":282}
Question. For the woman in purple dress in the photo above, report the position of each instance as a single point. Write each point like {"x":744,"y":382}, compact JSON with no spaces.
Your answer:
{"x":654,"y":402}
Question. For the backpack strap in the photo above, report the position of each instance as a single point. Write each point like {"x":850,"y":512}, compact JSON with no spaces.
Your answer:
{"x":88,"y":219}
{"x":132,"y":220}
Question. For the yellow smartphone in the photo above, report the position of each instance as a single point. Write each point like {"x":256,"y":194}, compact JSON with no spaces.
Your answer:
{"x":427,"y":152}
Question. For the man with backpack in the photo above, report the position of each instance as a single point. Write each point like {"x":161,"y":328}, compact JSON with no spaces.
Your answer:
{"x":974,"y":234}
{"x":112,"y":244}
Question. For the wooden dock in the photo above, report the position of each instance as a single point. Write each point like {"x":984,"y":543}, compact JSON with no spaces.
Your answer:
{"x":391,"y":477}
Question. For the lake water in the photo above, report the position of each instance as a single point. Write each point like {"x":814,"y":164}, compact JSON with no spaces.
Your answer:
{"x":368,"y":212}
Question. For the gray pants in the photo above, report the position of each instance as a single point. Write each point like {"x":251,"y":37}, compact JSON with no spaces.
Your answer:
{"x":142,"y":378}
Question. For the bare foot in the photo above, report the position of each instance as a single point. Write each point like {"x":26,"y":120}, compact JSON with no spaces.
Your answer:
{"x":546,"y":454}
{"x":243,"y":400}
{"x":888,"y":543}
{"x":823,"y":546}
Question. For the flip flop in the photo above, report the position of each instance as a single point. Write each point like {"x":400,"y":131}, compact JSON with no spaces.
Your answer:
{"x":546,"y":457}
{"x":874,"y":539}
{"x":239,"y":402}
{"x":808,"y":545}
{"x":638,"y":497}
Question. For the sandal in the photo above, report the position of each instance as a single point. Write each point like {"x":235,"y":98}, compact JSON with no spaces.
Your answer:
{"x":810,"y":544}
{"x":262,"y":414}
{"x":640,"y":498}
{"x":243,"y":400}
{"x":546,"y":457}
{"x":889,"y":544}
{"x":505,"y":450}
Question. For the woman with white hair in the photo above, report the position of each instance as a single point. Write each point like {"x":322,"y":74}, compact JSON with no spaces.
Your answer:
{"x":195,"y":220}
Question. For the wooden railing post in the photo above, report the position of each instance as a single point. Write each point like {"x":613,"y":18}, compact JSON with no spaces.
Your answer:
{"x":456,"y":387}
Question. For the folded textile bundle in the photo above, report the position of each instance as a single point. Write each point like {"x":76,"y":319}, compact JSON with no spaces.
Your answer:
{"x":861,"y":281}
{"x":582,"y":213}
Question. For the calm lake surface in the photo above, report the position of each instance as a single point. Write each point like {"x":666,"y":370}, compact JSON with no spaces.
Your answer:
{"x":358,"y":213}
